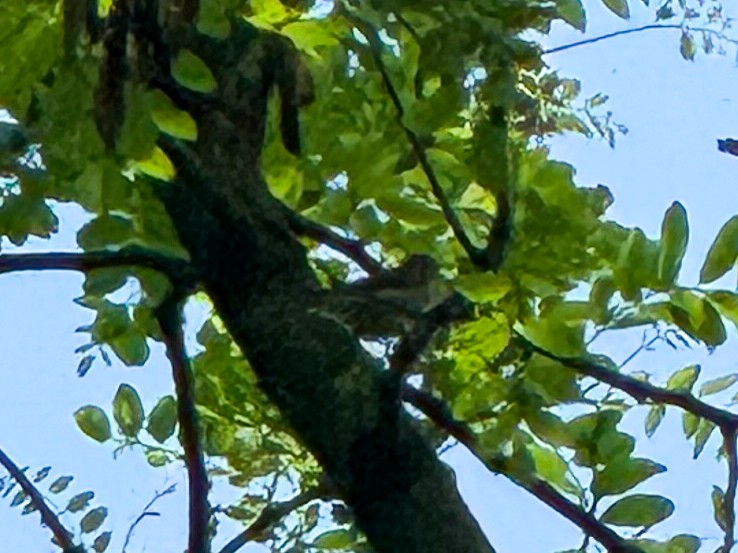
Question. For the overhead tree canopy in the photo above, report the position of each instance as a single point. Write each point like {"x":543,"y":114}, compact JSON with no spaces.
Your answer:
{"x":362,"y":192}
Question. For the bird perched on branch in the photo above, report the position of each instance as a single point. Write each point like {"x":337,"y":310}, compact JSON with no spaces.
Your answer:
{"x":390,"y":303}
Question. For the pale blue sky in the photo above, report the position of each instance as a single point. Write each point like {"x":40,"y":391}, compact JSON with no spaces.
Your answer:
{"x":675,"y":111}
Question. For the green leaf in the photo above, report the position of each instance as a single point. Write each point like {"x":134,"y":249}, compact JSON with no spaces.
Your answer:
{"x":131,"y":347}
{"x":157,"y":458}
{"x":23,"y":215}
{"x":99,"y":282}
{"x":623,"y":474}
{"x":101,"y":542}
{"x":94,"y":422}
{"x":704,"y":431}
{"x":718,"y":384}
{"x":163,"y":419}
{"x":334,"y":539}
{"x":112,"y":320}
{"x":60,"y":484}
{"x":726,"y":303}
{"x":718,"y":507}
{"x":687,"y":46}
{"x":684,"y":543}
{"x":93,"y":520}
{"x":80,"y":502}
{"x":618,"y":7}
{"x":158,"y":166}
{"x":19,"y":498}
{"x":722,"y":253}
{"x":483,"y":287}
{"x":684,"y":379}
{"x":653,"y":419}
{"x":170,"y":119}
{"x":573,"y":13}
{"x":690,"y":423}
{"x":674,"y":238}
{"x":696,"y":316}
{"x":552,"y":468}
{"x":128,"y":410}
{"x":104,"y":231}
{"x":190,"y":71}
{"x":638,"y":510}
{"x":41,"y":474}
{"x":138,"y":134}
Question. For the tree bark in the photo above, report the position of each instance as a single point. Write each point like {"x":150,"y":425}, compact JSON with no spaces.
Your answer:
{"x":330,"y":391}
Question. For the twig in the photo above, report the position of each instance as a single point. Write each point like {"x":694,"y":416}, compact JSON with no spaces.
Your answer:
{"x":644,"y":346}
{"x":476,"y":255}
{"x":177,"y":269}
{"x":48,"y":517}
{"x":437,"y":412}
{"x":639,"y":390}
{"x":728,"y":506}
{"x":352,"y":249}
{"x":170,"y":320}
{"x":146,"y":513}
{"x":650,"y":27}
{"x":271,"y":515}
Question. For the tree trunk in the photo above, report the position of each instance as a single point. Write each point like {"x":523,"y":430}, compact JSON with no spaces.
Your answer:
{"x":256,"y":272}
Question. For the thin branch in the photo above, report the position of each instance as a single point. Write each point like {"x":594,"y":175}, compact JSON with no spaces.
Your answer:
{"x":48,"y":517}
{"x":170,"y":320}
{"x":438,"y":412}
{"x":353,"y":249}
{"x":177,"y":269}
{"x":476,"y":255}
{"x":650,"y":27}
{"x":146,"y":513}
{"x":271,"y":515}
{"x":644,"y":346}
{"x":729,"y":446}
{"x":639,"y":390}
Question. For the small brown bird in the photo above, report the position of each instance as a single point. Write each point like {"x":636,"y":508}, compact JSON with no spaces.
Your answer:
{"x":390,"y":303}
{"x":729,"y":146}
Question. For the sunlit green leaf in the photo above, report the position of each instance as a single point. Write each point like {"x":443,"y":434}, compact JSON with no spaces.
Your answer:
{"x":638,"y":510}
{"x":684,"y":379}
{"x":723,"y":252}
{"x":80,"y":501}
{"x":128,"y":410}
{"x":704,"y":431}
{"x":193,"y":73}
{"x":60,"y":484}
{"x":718,"y":384}
{"x":94,"y":422}
{"x":618,"y":7}
{"x":163,"y":419}
{"x":674,"y":238}
{"x":334,"y":540}
{"x":93,"y":519}
{"x":101,"y":542}
{"x":573,"y":13}
{"x":624,"y":474}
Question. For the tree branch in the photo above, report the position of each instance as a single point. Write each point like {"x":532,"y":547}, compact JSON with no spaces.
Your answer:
{"x":178,"y":270}
{"x":353,"y":249}
{"x":271,"y":515}
{"x":639,"y":390}
{"x":476,"y":255}
{"x":650,"y":27}
{"x":48,"y":517}
{"x":170,"y":320}
{"x":437,"y":411}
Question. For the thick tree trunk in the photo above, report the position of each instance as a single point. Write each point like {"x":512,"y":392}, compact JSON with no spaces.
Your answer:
{"x":331,"y":393}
